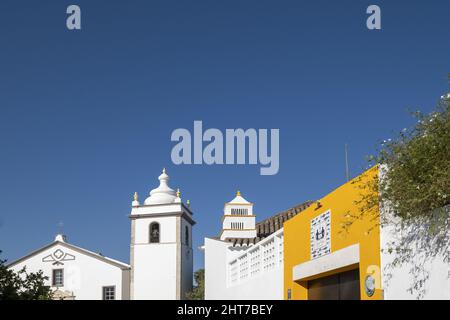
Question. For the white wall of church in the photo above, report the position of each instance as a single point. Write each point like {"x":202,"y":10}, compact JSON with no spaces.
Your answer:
{"x":154,"y":280}
{"x":167,"y":229}
{"x":85,"y":276}
{"x":155,"y":263}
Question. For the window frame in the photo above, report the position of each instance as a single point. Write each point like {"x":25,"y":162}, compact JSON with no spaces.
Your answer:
{"x":54,"y":284}
{"x":104,"y":294}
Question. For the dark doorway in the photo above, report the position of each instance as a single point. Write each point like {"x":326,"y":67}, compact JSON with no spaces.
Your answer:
{"x":341,"y":286}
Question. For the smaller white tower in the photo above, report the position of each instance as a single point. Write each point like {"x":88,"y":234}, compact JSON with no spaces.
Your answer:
{"x":238,"y":220}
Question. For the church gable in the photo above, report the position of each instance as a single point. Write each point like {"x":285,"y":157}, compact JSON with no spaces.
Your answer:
{"x":59,"y":253}
{"x":58,"y":257}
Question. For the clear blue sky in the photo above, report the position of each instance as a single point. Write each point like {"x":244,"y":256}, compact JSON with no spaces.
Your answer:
{"x":86,"y":116}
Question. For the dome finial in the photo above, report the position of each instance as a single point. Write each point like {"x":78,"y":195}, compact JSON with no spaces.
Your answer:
{"x":135,"y":196}
{"x":188,"y":202}
{"x":238,"y":193}
{"x":178,"y":192}
{"x":163,"y":194}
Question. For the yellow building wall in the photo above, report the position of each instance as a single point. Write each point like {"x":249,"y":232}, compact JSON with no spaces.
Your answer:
{"x":351,"y":223}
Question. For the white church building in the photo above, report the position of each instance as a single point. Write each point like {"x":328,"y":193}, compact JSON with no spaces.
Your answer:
{"x":77,"y":273}
{"x":161,"y":257}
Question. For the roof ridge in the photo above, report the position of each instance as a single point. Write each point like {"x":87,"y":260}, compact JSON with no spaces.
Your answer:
{"x":304,"y":204}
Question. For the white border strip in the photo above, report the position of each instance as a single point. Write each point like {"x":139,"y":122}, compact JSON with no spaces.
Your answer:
{"x":336,"y":260}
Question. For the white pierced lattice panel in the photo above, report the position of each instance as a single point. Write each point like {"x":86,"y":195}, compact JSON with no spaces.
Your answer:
{"x":243,"y":267}
{"x":281,"y":250}
{"x":269,"y":255}
{"x":233,"y":272}
{"x":255,"y":262}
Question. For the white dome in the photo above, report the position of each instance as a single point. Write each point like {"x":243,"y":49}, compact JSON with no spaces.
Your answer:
{"x":163,"y":194}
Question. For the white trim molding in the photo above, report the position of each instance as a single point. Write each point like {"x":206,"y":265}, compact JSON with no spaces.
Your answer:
{"x":335,"y":260}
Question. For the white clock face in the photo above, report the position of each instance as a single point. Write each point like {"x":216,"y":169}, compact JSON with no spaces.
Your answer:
{"x":369,"y":285}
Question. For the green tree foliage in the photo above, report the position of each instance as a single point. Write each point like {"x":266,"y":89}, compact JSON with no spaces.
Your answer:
{"x":22,"y":285}
{"x":417,"y":179}
{"x":198,"y":293}
{"x":414,"y":194}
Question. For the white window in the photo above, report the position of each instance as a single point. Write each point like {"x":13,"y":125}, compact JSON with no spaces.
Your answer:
{"x":109,"y":293}
{"x":58,"y":277}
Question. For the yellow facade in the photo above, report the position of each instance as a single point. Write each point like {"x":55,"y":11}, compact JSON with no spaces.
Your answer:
{"x":348,"y":227}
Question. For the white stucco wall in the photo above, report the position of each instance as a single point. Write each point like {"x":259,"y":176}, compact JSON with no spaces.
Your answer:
{"x":84,"y":276}
{"x":155,"y":271}
{"x":155,"y":263}
{"x":397,"y":281}
{"x":267,"y":284}
{"x":247,"y":221}
{"x":161,"y":270}
{"x":238,"y":234}
{"x":229,"y":206}
{"x":215,"y":268}
{"x":167,"y":229}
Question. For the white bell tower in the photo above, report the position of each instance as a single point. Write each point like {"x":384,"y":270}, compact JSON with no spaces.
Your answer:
{"x":238,"y":220}
{"x":161,"y":255}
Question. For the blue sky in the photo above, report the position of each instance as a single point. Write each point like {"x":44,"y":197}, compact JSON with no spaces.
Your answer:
{"x":86,"y":116}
